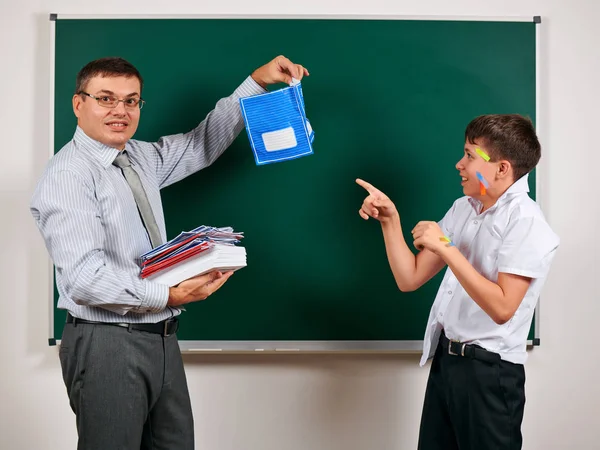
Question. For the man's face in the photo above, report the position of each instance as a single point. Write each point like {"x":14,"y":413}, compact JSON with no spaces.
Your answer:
{"x":110,"y":126}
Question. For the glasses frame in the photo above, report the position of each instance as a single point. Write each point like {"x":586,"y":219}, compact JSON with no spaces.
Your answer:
{"x":140,"y":104}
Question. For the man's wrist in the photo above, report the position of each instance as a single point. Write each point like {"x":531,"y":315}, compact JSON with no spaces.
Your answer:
{"x":174,"y":296}
{"x":258,"y":81}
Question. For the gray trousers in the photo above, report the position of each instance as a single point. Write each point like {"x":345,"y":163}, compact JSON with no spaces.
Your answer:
{"x":127,"y":388}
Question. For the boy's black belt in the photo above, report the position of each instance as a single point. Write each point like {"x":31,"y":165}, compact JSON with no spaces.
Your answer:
{"x":164,"y":328}
{"x":456,"y":348}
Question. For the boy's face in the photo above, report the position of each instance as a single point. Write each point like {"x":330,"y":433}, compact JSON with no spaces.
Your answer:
{"x":471,"y":163}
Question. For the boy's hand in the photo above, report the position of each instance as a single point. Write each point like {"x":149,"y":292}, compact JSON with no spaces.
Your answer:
{"x":377,"y":205}
{"x":428,"y":235}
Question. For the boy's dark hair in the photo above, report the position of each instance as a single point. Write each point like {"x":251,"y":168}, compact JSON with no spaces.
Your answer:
{"x":507,"y":136}
{"x":106,"y":67}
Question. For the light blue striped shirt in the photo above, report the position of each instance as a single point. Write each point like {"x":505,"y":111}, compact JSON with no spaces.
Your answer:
{"x":90,"y":223}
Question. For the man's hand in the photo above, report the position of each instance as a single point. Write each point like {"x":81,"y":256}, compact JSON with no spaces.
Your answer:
{"x":377,"y":205}
{"x":429,"y":235}
{"x":279,"y":70}
{"x":197,"y":288}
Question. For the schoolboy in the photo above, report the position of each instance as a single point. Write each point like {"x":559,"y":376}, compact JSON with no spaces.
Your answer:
{"x":498,"y":248}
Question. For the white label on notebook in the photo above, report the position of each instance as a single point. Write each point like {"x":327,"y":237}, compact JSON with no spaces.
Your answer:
{"x":280,"y":139}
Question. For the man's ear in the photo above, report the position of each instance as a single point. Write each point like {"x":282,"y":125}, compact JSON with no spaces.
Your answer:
{"x":77,"y":104}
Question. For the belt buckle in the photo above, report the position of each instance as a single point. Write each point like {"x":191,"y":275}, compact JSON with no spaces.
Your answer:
{"x":166,"y":329}
{"x":462,"y":348}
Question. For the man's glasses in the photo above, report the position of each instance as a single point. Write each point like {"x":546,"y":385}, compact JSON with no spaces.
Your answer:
{"x":111,"y":101}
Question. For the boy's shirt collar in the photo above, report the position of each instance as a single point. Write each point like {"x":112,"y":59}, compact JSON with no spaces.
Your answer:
{"x":518,"y":187}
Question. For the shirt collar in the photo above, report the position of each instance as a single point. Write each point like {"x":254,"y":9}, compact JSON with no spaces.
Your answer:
{"x":103,"y":153}
{"x":518,"y":187}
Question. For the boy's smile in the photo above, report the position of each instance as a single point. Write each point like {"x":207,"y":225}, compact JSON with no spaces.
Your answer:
{"x":469,"y":165}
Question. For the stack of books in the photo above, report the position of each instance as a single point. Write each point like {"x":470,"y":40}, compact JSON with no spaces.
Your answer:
{"x":194,"y":253}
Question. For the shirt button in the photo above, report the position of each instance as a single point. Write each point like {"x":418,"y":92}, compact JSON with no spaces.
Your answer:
{"x":450,"y":292}
{"x":475,"y":222}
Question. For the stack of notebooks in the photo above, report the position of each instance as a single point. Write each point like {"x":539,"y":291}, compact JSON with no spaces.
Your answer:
{"x":194,"y":253}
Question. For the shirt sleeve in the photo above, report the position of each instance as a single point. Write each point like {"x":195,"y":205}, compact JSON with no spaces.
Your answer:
{"x":447,"y":222}
{"x":528,"y":248}
{"x":67,"y":214}
{"x":180,"y":155}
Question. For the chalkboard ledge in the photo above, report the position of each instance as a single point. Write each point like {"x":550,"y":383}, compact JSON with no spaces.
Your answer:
{"x":283,"y":347}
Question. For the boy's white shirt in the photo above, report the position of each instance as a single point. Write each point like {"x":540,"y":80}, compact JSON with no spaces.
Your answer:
{"x":512,"y":237}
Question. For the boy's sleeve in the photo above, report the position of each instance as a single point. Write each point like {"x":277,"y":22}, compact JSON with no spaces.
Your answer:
{"x":528,"y":248}
{"x":447,"y":222}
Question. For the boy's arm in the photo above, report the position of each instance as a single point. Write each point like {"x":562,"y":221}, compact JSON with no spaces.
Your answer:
{"x":410,"y":272}
{"x":499,"y":300}
{"x":527,"y":251}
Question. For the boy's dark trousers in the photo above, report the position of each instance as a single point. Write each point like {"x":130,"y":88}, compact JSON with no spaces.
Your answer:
{"x":474,"y":400}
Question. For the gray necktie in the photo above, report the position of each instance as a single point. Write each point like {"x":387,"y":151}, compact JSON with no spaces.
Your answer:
{"x":133,"y":179}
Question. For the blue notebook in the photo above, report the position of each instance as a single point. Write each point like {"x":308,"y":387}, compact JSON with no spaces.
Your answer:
{"x":277,"y":126}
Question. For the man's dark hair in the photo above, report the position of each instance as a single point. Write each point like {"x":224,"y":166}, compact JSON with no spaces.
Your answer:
{"x":106,"y":67}
{"x":507,"y":136}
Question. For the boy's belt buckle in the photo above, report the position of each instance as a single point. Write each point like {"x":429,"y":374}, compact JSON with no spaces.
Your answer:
{"x":462,"y":348}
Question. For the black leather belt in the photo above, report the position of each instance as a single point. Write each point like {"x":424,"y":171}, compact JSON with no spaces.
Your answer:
{"x":164,"y":328}
{"x":456,"y":348}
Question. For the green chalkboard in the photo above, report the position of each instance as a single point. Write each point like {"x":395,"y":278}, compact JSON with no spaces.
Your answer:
{"x":388,"y":100}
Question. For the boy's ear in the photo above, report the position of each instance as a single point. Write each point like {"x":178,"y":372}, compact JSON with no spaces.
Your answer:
{"x":504,"y":168}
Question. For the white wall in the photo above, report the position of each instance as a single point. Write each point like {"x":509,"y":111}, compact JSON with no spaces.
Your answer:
{"x":314,"y":402}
